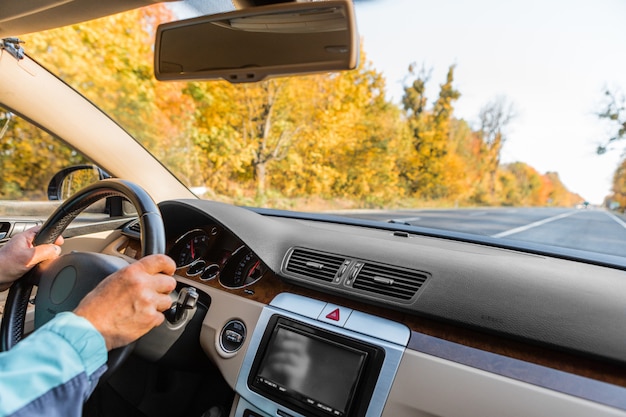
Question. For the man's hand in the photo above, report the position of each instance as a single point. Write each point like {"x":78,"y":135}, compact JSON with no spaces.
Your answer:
{"x":19,"y":255}
{"x":130,"y":302}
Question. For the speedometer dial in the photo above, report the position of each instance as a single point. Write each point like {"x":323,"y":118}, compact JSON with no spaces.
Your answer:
{"x":243,"y":268}
{"x":190,"y":248}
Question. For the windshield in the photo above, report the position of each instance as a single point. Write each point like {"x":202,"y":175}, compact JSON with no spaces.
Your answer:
{"x":497,"y":119}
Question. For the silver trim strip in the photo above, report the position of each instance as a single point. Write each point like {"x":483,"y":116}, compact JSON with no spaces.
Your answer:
{"x":357,"y":321}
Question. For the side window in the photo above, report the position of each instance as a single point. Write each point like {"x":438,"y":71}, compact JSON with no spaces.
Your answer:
{"x":29,"y":160}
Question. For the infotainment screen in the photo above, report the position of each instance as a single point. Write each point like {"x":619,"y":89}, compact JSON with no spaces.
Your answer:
{"x":310,"y":369}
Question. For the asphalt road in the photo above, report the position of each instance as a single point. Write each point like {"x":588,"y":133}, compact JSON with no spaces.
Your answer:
{"x":590,"y":229}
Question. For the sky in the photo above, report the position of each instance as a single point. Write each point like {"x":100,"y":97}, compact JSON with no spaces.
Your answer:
{"x":551,"y":59}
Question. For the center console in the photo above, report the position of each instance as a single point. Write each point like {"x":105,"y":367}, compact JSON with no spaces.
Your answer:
{"x":311,"y":358}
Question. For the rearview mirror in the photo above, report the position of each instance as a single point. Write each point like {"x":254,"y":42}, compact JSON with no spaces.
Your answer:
{"x":252,"y":44}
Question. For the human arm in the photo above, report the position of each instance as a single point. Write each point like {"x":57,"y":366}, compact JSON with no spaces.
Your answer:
{"x":54,"y":370}
{"x":123,"y":307}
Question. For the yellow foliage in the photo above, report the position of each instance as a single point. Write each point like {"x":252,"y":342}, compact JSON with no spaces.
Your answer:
{"x":333,"y":136}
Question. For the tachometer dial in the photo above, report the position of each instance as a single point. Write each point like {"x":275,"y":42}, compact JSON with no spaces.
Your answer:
{"x":190,"y":248}
{"x":243,"y":268}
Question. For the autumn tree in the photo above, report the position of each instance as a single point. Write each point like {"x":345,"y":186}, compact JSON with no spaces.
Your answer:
{"x":365,"y":123}
{"x":466,"y":151}
{"x":347,"y":146}
{"x":244,"y":128}
{"x":559,"y":194}
{"x":414,"y":102}
{"x":174,"y":142}
{"x":520,"y":184}
{"x":429,"y":174}
{"x":114,"y":68}
{"x":619,"y":185}
{"x":334,"y":136}
{"x":330,"y":135}
{"x":494,"y":117}
{"x":216,"y":136}
{"x":28,"y":158}
{"x":268,"y":126}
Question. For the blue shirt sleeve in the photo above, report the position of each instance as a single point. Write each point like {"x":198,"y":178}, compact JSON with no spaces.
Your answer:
{"x":52,"y":371}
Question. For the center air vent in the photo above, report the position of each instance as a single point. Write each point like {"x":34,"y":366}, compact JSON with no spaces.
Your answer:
{"x":317,"y":265}
{"x":388,"y":281}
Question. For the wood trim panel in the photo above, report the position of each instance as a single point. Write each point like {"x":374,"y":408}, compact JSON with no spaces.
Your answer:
{"x":270,"y":285}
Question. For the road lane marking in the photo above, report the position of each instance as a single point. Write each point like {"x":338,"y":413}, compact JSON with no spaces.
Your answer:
{"x":617,"y":219}
{"x":533,"y":225}
{"x":478,"y":213}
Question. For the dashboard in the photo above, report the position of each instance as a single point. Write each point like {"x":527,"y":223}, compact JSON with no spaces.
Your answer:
{"x":479,"y":315}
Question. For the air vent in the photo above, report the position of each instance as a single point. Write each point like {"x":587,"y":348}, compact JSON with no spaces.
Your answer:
{"x":392,"y":282}
{"x":132,"y":229}
{"x":317,"y":265}
{"x":135,"y":227}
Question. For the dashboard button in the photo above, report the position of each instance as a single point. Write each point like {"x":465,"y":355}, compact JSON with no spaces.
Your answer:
{"x":232,"y":336}
{"x":335,"y":315}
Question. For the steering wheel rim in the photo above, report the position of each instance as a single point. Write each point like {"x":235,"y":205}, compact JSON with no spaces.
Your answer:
{"x":152,"y":242}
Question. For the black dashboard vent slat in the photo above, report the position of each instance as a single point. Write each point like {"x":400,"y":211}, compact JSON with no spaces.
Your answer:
{"x":135,"y":227}
{"x":388,"y":281}
{"x":132,"y":229}
{"x":316,"y":265}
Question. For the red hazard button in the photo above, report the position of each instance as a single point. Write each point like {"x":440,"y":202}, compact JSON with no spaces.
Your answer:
{"x":335,"y":315}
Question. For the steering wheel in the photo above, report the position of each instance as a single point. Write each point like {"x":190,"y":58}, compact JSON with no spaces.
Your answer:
{"x":63,"y":282}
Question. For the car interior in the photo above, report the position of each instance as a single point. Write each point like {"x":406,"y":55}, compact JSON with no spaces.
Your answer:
{"x":291,"y":314}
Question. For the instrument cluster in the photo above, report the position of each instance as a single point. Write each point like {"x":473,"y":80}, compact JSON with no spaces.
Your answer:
{"x":206,"y":254}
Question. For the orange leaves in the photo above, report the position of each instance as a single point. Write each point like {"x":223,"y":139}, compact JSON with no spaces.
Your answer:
{"x":521,"y":185}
